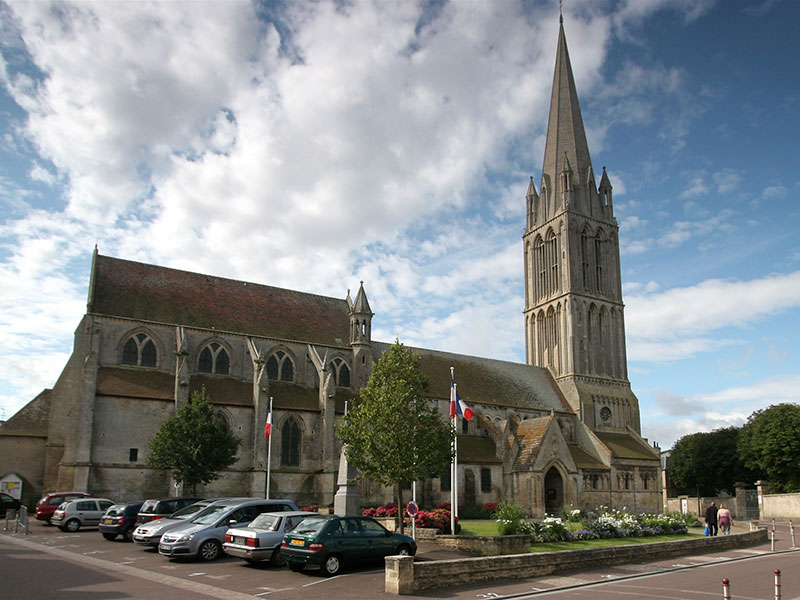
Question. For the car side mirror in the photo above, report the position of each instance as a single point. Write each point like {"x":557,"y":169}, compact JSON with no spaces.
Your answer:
{"x":232,"y":522}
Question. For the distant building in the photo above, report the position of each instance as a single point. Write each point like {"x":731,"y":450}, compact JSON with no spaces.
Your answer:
{"x":558,"y":432}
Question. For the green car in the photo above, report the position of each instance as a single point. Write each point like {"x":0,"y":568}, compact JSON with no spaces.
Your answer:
{"x":331,"y":542}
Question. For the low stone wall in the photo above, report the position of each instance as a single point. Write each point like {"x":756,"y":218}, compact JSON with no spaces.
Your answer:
{"x":780,"y":506}
{"x":486,"y":545}
{"x":404,"y":576}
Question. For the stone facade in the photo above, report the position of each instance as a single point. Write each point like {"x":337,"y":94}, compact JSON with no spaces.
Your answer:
{"x":561,"y":431}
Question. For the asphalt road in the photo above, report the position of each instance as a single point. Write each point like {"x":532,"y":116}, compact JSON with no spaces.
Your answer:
{"x":51,"y":564}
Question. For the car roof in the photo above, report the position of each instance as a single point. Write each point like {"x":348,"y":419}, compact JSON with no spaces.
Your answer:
{"x":90,"y":498}
{"x":165,"y":498}
{"x":291,"y":513}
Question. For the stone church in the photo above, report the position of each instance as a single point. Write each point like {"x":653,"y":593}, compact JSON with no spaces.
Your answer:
{"x":561,"y":431}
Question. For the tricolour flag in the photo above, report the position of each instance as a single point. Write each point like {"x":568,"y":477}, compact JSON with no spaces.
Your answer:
{"x":457,"y":405}
{"x":268,"y":426}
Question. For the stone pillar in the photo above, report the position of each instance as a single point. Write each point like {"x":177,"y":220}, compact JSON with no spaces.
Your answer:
{"x":85,"y":425}
{"x":399,"y":575}
{"x":347,"y":501}
{"x":741,"y":503}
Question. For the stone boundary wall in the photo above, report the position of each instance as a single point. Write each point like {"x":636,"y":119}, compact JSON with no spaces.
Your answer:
{"x":404,"y":576}
{"x":486,"y":545}
{"x":780,"y":506}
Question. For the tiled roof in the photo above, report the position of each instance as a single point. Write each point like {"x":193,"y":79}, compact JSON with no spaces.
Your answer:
{"x":487,"y":381}
{"x":134,"y":290}
{"x":623,"y":445}
{"x":32,"y":419}
{"x":134,"y":382}
{"x":475,"y":449}
{"x":584,"y":460}
{"x":530,"y":434}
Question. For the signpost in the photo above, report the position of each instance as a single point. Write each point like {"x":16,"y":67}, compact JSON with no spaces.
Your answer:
{"x":412,"y":510}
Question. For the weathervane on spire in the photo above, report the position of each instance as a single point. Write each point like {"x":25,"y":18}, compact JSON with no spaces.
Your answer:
{"x":560,"y":12}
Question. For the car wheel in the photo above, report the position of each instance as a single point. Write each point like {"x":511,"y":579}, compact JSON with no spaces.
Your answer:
{"x":49,"y":521}
{"x":277,"y":559}
{"x":404,"y":550}
{"x":209,"y":550}
{"x":110,"y":536}
{"x":72,"y":525}
{"x":296,"y":566}
{"x":127,"y":535}
{"x":332,"y":565}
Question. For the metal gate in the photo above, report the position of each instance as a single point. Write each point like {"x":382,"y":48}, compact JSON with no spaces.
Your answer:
{"x":750,"y":508}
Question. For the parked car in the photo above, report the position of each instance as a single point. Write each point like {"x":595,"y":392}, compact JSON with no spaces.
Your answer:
{"x":160,"y":508}
{"x":262,"y":538}
{"x":72,"y":515}
{"x":48,"y":503}
{"x":8,"y":502}
{"x":120,"y":519}
{"x":331,"y":542}
{"x":203,"y":536}
{"x":149,"y":534}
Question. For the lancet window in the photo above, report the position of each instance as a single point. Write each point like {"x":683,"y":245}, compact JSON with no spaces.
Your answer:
{"x":213,"y":359}
{"x":139,"y":350}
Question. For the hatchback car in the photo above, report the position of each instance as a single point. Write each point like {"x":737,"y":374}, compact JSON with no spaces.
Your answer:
{"x":159,"y":508}
{"x":71,"y":516}
{"x":331,"y":542}
{"x":120,"y":519}
{"x":149,"y":534}
{"x":262,"y":538}
{"x":203,"y":536}
{"x":8,"y":502}
{"x":48,"y":503}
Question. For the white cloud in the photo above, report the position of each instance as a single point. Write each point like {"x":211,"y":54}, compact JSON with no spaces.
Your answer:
{"x":671,"y":323}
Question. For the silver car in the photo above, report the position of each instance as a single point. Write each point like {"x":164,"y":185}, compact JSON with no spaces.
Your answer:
{"x":262,"y":539}
{"x":149,"y":534}
{"x":71,"y":516}
{"x":203,"y":536}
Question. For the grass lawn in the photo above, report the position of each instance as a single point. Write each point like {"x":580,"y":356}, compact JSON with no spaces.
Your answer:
{"x":490,"y":528}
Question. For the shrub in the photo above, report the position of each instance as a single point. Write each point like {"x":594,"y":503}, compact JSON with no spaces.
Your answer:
{"x":511,"y":519}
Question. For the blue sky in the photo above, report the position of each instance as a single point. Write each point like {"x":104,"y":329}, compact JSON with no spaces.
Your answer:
{"x":314,"y":145}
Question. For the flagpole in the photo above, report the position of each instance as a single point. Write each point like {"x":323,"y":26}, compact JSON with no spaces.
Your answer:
{"x":269,"y":452}
{"x":453,"y":448}
{"x":454,"y":507}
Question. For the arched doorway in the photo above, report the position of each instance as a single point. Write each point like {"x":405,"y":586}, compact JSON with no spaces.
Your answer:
{"x":553,"y":492}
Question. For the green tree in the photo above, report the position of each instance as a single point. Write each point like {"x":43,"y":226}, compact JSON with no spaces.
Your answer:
{"x":708,"y":463}
{"x":770,"y":443}
{"x":393,"y":434}
{"x":194,"y":444}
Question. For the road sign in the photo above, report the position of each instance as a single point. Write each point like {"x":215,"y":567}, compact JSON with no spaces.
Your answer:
{"x":412,"y":509}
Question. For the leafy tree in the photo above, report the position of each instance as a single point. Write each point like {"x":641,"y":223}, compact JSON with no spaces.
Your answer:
{"x":770,"y":442}
{"x":194,"y":444}
{"x":708,"y":463}
{"x":394,"y":434}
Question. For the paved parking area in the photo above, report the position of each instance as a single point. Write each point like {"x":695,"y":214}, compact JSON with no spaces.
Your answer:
{"x":749,"y":569}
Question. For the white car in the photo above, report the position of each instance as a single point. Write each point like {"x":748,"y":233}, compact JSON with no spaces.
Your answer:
{"x":262,"y":538}
{"x":86,"y":512}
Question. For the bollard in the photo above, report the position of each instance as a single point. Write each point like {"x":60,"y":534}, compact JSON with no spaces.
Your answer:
{"x":791,"y":531}
{"x":777,"y":584}
{"x":726,"y":590}
{"x":772,"y":541}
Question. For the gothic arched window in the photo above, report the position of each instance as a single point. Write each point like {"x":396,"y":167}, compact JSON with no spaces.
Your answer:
{"x":290,"y":443}
{"x":587,"y":251}
{"x":139,"y":351}
{"x":280,"y":367}
{"x":213,"y":359}
{"x":341,"y":372}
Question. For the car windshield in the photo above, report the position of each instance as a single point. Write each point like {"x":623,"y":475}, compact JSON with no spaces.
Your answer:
{"x":266,"y":521}
{"x":210,"y":514}
{"x":187,"y":512}
{"x":311,"y":526}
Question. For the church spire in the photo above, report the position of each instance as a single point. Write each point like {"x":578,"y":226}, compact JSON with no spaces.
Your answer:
{"x":566,"y":138}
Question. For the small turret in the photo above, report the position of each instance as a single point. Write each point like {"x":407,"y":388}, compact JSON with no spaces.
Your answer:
{"x":605,"y":195}
{"x":533,"y":204}
{"x":361,"y":337}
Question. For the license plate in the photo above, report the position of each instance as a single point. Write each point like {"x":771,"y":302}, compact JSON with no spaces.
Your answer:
{"x":297,"y":543}
{"x":164,"y":548}
{"x":239,"y":540}
{"x":108,"y":520}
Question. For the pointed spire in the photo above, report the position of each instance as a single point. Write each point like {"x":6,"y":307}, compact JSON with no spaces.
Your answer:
{"x":361,"y":305}
{"x":566,"y":137}
{"x":532,"y":190}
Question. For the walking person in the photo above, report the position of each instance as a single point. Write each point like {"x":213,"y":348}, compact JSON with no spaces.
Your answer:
{"x":711,"y":518}
{"x":724,"y":519}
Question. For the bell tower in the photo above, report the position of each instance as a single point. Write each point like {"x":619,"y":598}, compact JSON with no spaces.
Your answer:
{"x":574,"y":322}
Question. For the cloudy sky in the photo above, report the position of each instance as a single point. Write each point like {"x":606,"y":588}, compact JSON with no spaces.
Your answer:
{"x":311,"y":145}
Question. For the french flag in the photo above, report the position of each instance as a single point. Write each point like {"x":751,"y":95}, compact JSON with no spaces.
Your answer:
{"x":457,"y":405}
{"x":268,"y":426}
